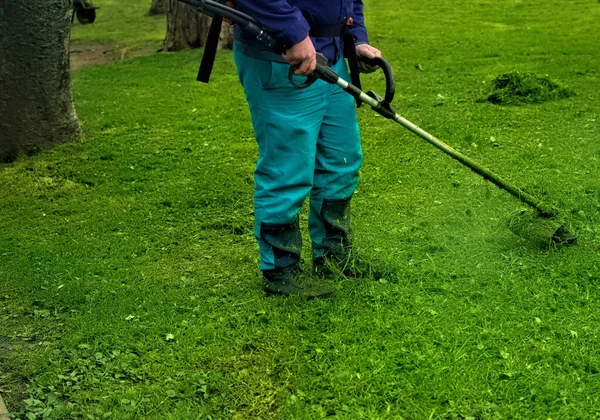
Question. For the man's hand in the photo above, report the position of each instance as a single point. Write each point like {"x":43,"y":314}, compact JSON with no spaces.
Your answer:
{"x":302,"y":57}
{"x":365,"y":51}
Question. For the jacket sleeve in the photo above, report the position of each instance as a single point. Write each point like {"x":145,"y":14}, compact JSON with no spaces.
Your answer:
{"x":279,"y":18}
{"x":358,"y":28}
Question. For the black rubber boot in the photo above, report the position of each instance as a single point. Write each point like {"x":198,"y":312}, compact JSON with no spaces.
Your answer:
{"x":339,"y":255}
{"x":288,"y":278}
{"x":336,"y":217}
{"x":293,"y":281}
{"x":286,"y":241}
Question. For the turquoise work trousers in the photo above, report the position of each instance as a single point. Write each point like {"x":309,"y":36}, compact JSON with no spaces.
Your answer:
{"x":309,"y":146}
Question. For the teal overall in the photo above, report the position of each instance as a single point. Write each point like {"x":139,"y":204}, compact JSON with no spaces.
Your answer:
{"x":309,"y":146}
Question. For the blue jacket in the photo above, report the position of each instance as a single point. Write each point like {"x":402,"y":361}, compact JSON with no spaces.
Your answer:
{"x":289,"y":20}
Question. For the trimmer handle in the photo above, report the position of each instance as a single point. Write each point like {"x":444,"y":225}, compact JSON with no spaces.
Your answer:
{"x":323,"y":71}
{"x":314,"y":76}
{"x":390,"y":79}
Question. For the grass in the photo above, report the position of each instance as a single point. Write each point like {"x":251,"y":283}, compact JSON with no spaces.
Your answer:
{"x":517,"y":88}
{"x":124,"y":24}
{"x":130,"y":286}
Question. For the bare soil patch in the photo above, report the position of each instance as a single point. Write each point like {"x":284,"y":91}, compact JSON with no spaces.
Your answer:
{"x":12,"y":388}
{"x":3,"y":410}
{"x":93,"y":54}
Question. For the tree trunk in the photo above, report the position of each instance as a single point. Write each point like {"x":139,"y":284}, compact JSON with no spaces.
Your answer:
{"x":159,"y":7}
{"x":36,"y":103}
{"x":186,"y":28}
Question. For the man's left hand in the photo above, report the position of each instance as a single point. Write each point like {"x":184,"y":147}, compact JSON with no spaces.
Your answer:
{"x":366,"y":52}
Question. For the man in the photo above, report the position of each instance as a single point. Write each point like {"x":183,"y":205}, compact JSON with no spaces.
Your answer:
{"x":308,"y":139}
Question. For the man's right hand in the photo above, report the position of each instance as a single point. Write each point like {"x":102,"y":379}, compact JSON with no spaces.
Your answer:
{"x":302,"y":57}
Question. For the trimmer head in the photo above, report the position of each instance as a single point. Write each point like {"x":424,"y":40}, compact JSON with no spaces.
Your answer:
{"x":563,"y":236}
{"x":541,"y":231}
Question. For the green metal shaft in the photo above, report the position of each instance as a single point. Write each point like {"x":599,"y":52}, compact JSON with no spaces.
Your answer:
{"x":476,"y":167}
{"x":543,"y":210}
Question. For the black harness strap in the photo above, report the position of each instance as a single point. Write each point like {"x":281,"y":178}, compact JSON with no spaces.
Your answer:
{"x":324,"y":31}
{"x":210,"y":50}
{"x":318,"y":31}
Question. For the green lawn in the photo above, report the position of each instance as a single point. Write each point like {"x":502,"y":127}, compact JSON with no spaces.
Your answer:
{"x":121,"y":22}
{"x":129,"y":274}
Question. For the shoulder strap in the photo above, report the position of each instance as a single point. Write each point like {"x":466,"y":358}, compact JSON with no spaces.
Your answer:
{"x":210,"y":50}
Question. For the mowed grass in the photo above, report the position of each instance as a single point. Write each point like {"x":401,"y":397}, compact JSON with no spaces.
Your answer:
{"x":122,"y":24}
{"x":130,"y":286}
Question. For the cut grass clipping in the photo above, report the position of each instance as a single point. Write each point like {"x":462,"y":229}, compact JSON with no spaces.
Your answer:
{"x":516,"y":88}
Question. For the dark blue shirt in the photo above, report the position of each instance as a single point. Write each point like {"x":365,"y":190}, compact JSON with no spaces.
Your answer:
{"x":290,"y":21}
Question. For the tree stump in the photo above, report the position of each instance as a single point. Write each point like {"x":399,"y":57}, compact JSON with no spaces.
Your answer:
{"x":159,"y":7}
{"x":186,"y":29}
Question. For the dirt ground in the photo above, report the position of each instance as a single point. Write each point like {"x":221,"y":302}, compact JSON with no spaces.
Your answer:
{"x":91,"y":54}
{"x":16,"y":385}
{"x":3,"y":410}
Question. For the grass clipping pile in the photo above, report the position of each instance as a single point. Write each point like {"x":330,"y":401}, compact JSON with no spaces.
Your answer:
{"x":516,"y":88}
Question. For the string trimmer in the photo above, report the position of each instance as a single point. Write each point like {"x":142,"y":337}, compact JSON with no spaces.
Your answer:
{"x":560,"y":233}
